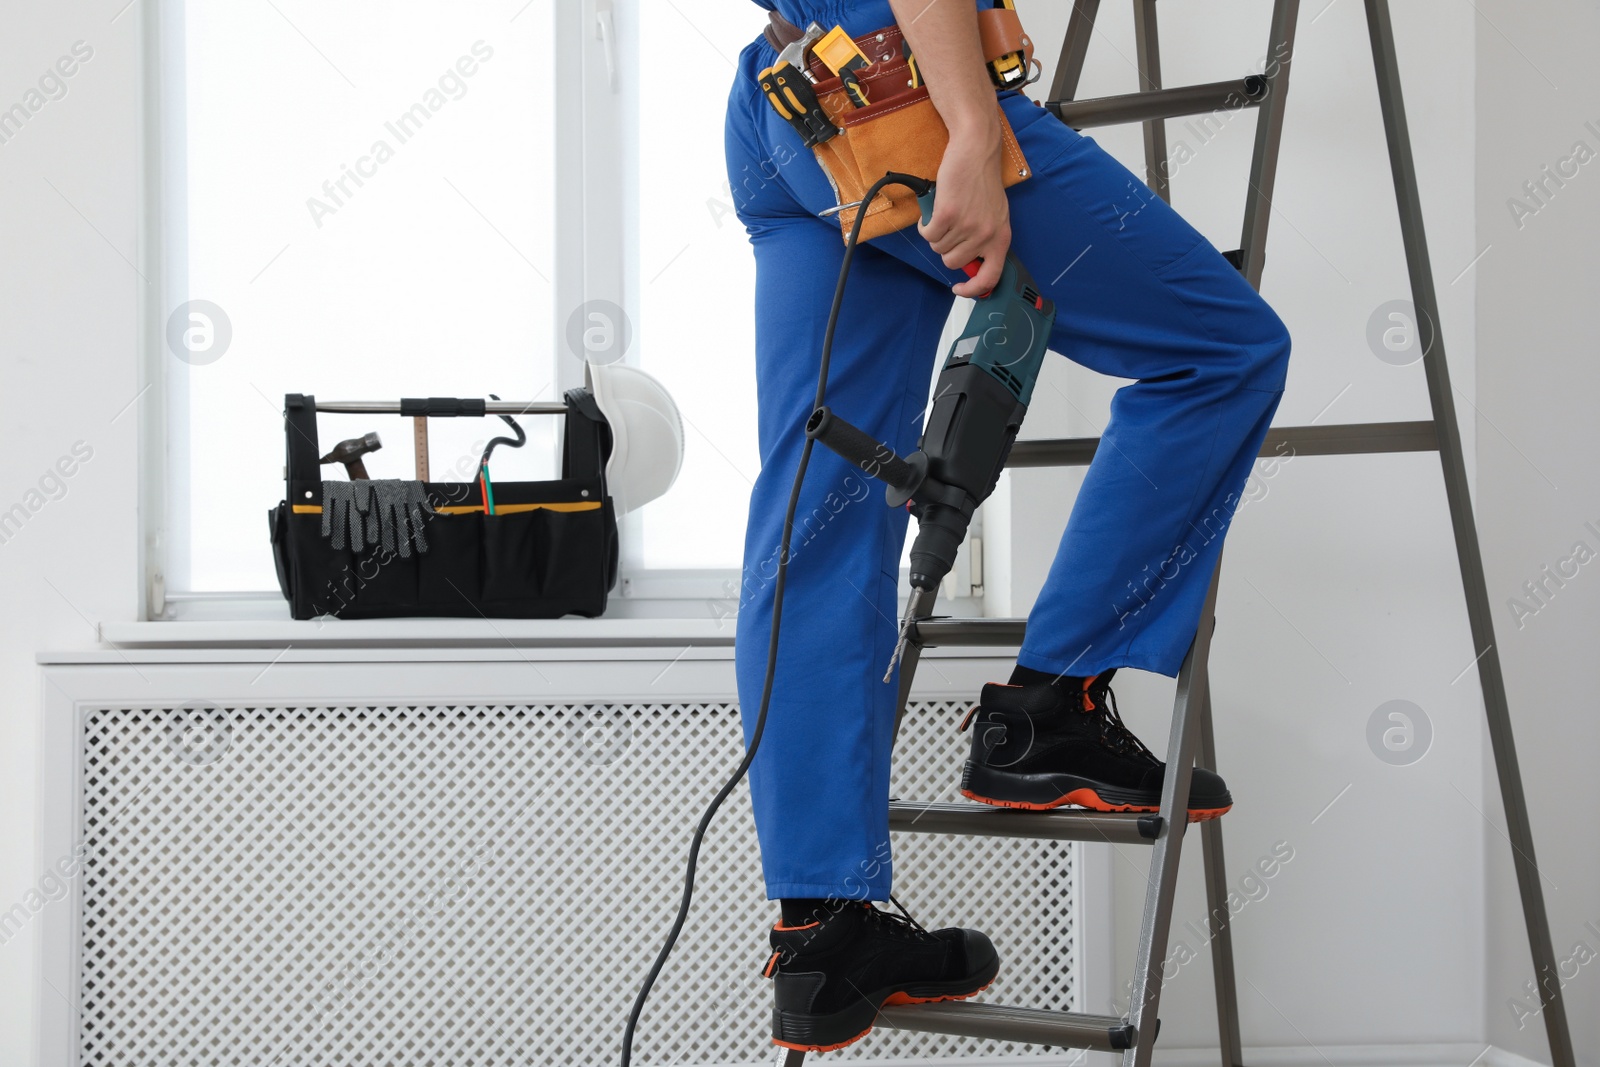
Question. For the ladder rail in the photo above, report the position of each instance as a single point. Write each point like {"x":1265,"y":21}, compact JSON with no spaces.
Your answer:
{"x":1162,"y":884}
{"x":1074,"y":49}
{"x":1269,"y":137}
{"x":1469,"y":554}
{"x":1219,"y":919}
{"x":1147,"y":47}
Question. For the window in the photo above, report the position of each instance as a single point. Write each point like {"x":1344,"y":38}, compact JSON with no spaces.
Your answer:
{"x":359,"y":201}
{"x":694,"y":274}
{"x":369,"y":200}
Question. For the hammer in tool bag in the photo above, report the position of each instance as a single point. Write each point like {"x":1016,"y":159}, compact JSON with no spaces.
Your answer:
{"x":350,"y":452}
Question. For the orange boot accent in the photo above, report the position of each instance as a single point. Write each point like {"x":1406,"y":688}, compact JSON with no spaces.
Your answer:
{"x":1088,"y":798}
{"x":892,"y":999}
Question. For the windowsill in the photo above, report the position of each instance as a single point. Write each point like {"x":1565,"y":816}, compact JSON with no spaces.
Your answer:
{"x":421,"y":633}
{"x":658,"y":610}
{"x":261,"y":621}
{"x":400,"y":641}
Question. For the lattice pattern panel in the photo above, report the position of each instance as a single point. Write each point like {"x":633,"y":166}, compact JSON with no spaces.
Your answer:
{"x":309,"y":886}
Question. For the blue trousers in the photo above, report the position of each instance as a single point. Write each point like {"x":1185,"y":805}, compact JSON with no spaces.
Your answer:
{"x":1140,"y":294}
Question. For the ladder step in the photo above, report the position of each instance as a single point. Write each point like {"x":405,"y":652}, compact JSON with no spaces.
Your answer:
{"x":1061,"y":824}
{"x":997,"y":1022}
{"x":976,"y":633}
{"x":1351,"y":439}
{"x":1233,"y":95}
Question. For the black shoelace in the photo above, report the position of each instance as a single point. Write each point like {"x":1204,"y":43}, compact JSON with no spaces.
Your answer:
{"x":902,"y":925}
{"x":1114,"y":733}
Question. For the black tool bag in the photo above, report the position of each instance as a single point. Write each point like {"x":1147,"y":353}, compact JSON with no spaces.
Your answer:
{"x":549,"y":549}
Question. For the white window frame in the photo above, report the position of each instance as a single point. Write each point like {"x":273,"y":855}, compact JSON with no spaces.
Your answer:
{"x":591,"y":263}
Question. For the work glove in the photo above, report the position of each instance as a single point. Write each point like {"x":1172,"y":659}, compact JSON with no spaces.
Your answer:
{"x":366,"y":513}
{"x":344,"y":510}
{"x":399,"y":508}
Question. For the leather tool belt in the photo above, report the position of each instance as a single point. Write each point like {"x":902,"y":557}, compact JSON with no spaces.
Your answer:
{"x":899,"y":129}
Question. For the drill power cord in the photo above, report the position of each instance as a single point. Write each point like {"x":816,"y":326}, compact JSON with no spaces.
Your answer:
{"x":919,"y":186}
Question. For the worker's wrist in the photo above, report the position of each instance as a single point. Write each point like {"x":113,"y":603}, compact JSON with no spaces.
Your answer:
{"x":975,"y":127}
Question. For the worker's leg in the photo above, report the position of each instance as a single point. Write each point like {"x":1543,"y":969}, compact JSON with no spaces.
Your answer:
{"x":820,"y":781}
{"x":1139,"y":294}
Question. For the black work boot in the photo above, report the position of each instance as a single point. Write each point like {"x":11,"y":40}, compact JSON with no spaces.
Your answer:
{"x":1042,"y":746}
{"x":831,"y":975}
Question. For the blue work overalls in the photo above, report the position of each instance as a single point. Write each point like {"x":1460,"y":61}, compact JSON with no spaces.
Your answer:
{"x":1139,"y":293}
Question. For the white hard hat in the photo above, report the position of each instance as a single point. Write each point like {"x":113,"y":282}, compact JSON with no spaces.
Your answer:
{"x":646,"y":434}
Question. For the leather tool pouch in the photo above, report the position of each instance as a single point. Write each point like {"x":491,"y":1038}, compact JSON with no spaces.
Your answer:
{"x":899,"y":130}
{"x":1000,"y":33}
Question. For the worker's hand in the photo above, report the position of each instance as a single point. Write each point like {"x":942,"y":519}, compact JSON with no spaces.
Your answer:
{"x":971,"y":216}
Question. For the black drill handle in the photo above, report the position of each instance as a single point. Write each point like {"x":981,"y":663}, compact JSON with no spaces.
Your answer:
{"x":874,"y":457}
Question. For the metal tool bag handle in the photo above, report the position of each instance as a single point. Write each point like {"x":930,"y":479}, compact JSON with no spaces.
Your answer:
{"x":587,"y":446}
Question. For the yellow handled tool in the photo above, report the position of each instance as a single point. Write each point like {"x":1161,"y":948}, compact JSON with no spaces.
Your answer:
{"x":840,"y":55}
{"x":791,"y":96}
{"x":913,"y":74}
{"x":1009,"y":71}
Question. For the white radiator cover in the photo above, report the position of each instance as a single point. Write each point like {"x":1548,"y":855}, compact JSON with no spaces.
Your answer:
{"x":295,"y":877}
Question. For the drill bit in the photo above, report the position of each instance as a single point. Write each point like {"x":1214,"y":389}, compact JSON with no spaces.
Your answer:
{"x":900,"y":643}
{"x":919,"y":606}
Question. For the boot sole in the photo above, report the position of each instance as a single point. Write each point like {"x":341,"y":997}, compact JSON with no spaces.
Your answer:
{"x":805,"y":1032}
{"x":1042,"y":792}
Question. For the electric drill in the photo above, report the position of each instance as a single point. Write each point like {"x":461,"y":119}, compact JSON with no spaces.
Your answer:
{"x":980,"y":397}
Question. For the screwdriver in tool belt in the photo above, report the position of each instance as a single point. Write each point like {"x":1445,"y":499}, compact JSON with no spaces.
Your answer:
{"x":787,"y":86}
{"x":791,"y":95}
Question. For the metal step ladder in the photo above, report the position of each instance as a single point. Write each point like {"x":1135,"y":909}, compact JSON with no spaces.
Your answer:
{"x":1190,"y":743}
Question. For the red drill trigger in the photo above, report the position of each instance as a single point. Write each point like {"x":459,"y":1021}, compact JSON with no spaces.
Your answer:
{"x":925,"y":200}
{"x":971,"y":270}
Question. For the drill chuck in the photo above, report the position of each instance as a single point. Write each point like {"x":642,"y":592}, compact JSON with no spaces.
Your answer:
{"x":940,"y":531}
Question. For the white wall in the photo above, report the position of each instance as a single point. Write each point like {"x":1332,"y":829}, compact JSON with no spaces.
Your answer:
{"x":68,"y":337}
{"x":1340,"y":590}
{"x":1538,"y":485}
